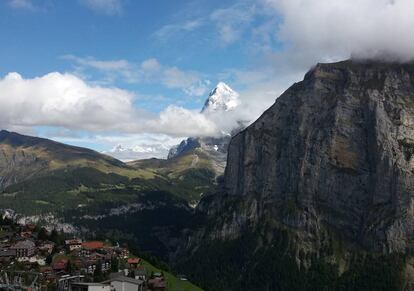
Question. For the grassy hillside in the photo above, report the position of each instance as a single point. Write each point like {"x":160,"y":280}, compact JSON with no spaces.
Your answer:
{"x":39,"y":175}
{"x":173,"y":283}
{"x":25,"y":157}
{"x":188,"y":176}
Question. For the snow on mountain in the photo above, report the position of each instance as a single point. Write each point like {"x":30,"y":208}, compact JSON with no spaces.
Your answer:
{"x":127,"y":154}
{"x":221,"y":98}
{"x":221,"y":102}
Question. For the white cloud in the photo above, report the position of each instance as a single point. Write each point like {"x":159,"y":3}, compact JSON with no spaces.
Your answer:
{"x":315,"y":30}
{"x":149,"y":71}
{"x":22,"y":4}
{"x":63,"y":100}
{"x":98,"y":64}
{"x":68,"y":104}
{"x":232,"y":22}
{"x":66,"y":101}
{"x":183,"y":122}
{"x":227,"y":25}
{"x":109,"y":7}
{"x":169,"y":30}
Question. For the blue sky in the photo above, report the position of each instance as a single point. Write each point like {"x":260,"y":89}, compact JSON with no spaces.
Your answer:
{"x":99,"y":73}
{"x":191,"y":45}
{"x":36,"y":37}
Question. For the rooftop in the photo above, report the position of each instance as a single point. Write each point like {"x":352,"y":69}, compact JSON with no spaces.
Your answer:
{"x":93,"y":245}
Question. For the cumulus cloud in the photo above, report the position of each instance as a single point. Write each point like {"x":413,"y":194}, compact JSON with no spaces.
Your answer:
{"x":109,"y":7}
{"x":67,"y":101}
{"x":66,"y":104}
{"x":183,"y":122}
{"x":62,"y":100}
{"x":316,"y":30}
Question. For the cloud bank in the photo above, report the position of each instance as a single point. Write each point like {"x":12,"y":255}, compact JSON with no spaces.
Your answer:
{"x":65,"y":100}
{"x":332,"y":29}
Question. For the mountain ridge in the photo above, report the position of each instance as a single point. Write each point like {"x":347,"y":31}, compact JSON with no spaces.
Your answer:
{"x":22,"y":157}
{"x":323,"y":181}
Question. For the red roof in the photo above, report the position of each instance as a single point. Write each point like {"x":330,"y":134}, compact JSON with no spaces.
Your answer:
{"x":60,"y":265}
{"x":45,"y":269}
{"x":93,"y":245}
{"x":134,"y":261}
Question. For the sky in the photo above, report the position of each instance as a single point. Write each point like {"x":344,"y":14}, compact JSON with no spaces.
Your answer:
{"x":133,"y":75}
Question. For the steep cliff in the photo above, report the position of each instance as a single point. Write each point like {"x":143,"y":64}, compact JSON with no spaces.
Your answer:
{"x":328,"y":173}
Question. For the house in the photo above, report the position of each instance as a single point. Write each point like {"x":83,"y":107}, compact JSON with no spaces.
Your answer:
{"x":123,"y":253}
{"x":74,"y":247}
{"x":46,"y":247}
{"x":89,"y":247}
{"x":93,"y":245}
{"x":24,"y":248}
{"x":89,"y":287}
{"x":119,"y":282}
{"x":7,"y":255}
{"x":157,"y":284}
{"x":73,"y":244}
{"x":60,"y":266}
{"x":133,"y":262}
{"x":141,"y":273}
{"x":73,"y":241}
{"x":46,"y":270}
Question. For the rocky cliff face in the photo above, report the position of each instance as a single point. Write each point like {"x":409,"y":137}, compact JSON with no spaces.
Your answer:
{"x":337,"y":148}
{"x":220,"y":101}
{"x":331,"y":160}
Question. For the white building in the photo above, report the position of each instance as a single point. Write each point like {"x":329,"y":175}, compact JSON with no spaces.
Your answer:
{"x":89,"y":287}
{"x":122,"y":283}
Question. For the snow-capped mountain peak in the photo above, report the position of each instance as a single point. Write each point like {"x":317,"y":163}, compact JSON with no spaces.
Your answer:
{"x":221,"y":98}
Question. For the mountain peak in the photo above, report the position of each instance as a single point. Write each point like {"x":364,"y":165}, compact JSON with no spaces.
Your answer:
{"x":221,"y":98}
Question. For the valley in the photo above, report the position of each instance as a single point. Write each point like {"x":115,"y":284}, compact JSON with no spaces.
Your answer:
{"x":299,"y":197}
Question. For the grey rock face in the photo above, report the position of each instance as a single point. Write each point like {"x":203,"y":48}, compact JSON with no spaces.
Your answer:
{"x":18,"y":165}
{"x":335,"y":151}
{"x":214,"y":147}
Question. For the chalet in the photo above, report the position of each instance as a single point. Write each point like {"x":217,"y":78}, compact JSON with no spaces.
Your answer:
{"x":24,"y":248}
{"x":73,"y":244}
{"x":133,"y":263}
{"x":60,"y":266}
{"x":74,"y":247}
{"x":93,"y":245}
{"x":123,"y":253}
{"x":89,"y":247}
{"x":73,"y":241}
{"x":46,"y":247}
{"x":46,"y":270}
